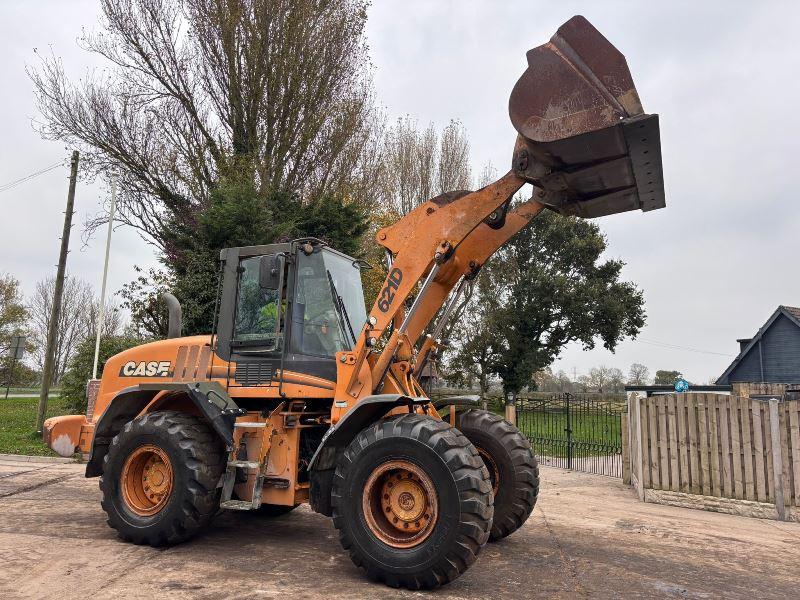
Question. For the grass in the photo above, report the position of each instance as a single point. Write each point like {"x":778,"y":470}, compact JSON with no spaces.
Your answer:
{"x":592,"y":434}
{"x":588,"y":428}
{"x":596,"y":431}
{"x":18,"y":425}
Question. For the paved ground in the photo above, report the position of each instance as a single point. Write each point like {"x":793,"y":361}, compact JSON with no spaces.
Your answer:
{"x":588,"y":538}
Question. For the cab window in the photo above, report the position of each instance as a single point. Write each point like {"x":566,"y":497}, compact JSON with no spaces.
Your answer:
{"x":257,"y":313}
{"x":316,"y":328}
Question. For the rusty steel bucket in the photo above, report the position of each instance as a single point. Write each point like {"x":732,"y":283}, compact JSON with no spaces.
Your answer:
{"x":583,"y":135}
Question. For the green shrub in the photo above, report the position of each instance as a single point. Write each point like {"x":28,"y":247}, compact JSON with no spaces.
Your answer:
{"x":79,"y":370}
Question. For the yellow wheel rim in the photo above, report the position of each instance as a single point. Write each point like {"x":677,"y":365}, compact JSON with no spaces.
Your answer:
{"x":146,"y":480}
{"x":400,"y":504}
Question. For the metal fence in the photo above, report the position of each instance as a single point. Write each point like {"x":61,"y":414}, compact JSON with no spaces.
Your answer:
{"x":582,"y":432}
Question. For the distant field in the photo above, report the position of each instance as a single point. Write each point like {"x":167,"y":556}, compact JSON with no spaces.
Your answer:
{"x":18,"y":425}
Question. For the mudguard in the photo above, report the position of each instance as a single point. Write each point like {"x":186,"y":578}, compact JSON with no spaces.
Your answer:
{"x":472,"y":401}
{"x":210,"y":398}
{"x":323,"y":463}
{"x":368,"y":410}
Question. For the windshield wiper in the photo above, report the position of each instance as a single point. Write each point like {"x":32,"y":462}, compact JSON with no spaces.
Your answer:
{"x":342,"y":312}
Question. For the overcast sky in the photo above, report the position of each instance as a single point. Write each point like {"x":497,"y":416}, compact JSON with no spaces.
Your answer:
{"x":722,"y":75}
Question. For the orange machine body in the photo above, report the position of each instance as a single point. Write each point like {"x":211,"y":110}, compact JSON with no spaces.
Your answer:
{"x":192,"y":359}
{"x":590,"y":152}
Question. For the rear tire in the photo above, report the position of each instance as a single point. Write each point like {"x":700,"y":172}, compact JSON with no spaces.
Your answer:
{"x":443,"y":501}
{"x":160,"y":478}
{"x":513,"y":468}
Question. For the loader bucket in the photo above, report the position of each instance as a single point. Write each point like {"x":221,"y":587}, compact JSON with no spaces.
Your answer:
{"x":578,"y":113}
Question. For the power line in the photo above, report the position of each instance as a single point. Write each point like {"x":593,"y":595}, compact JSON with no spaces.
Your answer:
{"x":676,"y":347}
{"x":22,"y":180}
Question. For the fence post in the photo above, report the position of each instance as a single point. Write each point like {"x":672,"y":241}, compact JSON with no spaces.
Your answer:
{"x":626,"y":450}
{"x":777,"y":458}
{"x":639,"y":449}
{"x":511,"y":408}
{"x":568,"y":430}
{"x":635,"y":458}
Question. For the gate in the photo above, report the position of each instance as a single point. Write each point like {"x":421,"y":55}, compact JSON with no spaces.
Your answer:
{"x":580,"y":432}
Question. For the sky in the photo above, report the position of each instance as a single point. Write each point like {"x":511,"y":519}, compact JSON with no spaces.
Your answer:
{"x":713,"y":265}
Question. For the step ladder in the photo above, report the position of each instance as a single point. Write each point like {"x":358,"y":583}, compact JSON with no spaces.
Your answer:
{"x":229,"y":478}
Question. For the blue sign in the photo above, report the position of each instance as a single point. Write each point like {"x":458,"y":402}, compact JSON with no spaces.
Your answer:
{"x":681,"y":386}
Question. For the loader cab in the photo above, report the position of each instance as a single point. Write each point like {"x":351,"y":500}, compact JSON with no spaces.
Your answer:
{"x":290,"y":306}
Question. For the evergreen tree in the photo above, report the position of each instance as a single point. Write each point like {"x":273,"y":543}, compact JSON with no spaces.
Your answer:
{"x":548,"y":287}
{"x":237,"y":215}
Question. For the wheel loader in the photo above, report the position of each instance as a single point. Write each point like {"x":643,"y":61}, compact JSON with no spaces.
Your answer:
{"x":300,"y":395}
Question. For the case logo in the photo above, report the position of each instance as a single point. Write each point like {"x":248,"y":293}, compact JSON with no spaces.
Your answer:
{"x":146,"y":369}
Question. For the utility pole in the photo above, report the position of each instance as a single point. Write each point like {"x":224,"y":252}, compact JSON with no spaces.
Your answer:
{"x":102,"y":309}
{"x":58,"y":290}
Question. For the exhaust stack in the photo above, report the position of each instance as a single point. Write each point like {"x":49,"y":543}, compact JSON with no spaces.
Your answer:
{"x":175,"y":315}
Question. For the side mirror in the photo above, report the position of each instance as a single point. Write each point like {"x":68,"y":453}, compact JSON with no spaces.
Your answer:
{"x":270,"y":275}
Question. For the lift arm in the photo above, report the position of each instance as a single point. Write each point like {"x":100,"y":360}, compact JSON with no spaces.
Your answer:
{"x":586,"y":145}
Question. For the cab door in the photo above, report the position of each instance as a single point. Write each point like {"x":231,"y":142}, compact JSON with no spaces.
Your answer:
{"x":251,"y":330}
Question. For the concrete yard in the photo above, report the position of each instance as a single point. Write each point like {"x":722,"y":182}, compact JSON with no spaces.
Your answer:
{"x":589,"y":537}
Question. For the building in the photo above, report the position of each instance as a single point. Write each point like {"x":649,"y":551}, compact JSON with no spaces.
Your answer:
{"x":770,"y":359}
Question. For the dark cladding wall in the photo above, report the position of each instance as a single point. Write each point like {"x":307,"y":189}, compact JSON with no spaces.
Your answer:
{"x":779,"y":351}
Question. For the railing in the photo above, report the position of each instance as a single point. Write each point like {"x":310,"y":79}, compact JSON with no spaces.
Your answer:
{"x":579,"y":432}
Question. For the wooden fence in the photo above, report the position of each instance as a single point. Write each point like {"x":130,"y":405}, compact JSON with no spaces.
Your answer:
{"x":748,"y":389}
{"x":717,"y":445}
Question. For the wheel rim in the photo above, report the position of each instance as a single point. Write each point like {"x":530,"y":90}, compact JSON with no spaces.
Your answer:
{"x":146,"y":480}
{"x":400,"y":504}
{"x":491,"y":466}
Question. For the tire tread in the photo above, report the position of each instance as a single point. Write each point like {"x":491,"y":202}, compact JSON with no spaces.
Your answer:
{"x":472,"y":481}
{"x":203,"y":457}
{"x":507,"y":519}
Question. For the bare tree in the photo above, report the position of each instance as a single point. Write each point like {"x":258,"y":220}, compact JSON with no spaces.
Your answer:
{"x":113,"y":319}
{"x":565,"y":384}
{"x":73,"y":323}
{"x":616,"y":380}
{"x":603,"y":379}
{"x":544,"y":380}
{"x":403,"y":172}
{"x":638,"y":374}
{"x":453,"y":170}
{"x":277,"y":91}
{"x":422,"y":164}
{"x":488,"y":175}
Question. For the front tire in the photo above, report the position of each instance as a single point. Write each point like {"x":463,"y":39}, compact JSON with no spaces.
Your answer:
{"x":160,"y":478}
{"x":513,"y":468}
{"x":412,"y":502}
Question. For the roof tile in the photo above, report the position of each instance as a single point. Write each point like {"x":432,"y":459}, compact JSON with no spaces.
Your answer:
{"x":795,"y":312}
